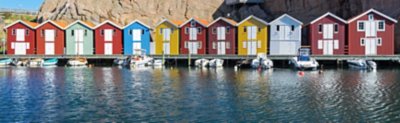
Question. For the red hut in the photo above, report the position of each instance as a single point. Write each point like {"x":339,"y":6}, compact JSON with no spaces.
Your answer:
{"x":108,"y":38}
{"x":193,"y":36}
{"x":222,"y":36}
{"x":328,"y":35}
{"x":50,"y":38}
{"x":21,"y":38}
{"x":371,"y":33}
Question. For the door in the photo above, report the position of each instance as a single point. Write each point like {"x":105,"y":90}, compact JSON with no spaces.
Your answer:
{"x":221,"y":36}
{"x":137,"y":48}
{"x":49,"y":39}
{"x":20,"y":48}
{"x":79,"y":42}
{"x":193,"y":47}
{"x":370,"y":28}
{"x":20,"y":35}
{"x":252,"y":47}
{"x":328,"y":31}
{"x":49,"y":48}
{"x":221,"y":48}
{"x":193,"y":34}
{"x":328,"y":47}
{"x":108,"y":34}
{"x":108,"y":49}
{"x":166,"y":47}
{"x":252,"y":32}
{"x":370,"y":46}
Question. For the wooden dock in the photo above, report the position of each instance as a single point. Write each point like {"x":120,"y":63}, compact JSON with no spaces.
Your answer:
{"x":225,"y":57}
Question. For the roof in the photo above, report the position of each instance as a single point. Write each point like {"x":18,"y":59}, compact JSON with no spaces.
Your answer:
{"x":253,"y":17}
{"x":329,"y":14}
{"x":59,"y":24}
{"x":31,"y":25}
{"x":230,"y":21}
{"x":290,"y":17}
{"x":373,"y":11}
{"x":85,"y":23}
{"x":108,"y":22}
{"x":137,"y":21}
{"x":198,"y":20}
{"x":176,"y":24}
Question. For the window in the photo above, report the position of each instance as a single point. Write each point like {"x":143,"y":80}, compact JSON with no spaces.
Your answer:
{"x":259,"y":29}
{"x":161,"y":30}
{"x":228,"y":45}
{"x":200,"y":43}
{"x":114,"y":31}
{"x":379,"y":43}
{"x":228,"y":29}
{"x":320,"y":28}
{"x":41,"y":33}
{"x":336,"y":28}
{"x":293,"y":28}
{"x":85,"y":32}
{"x":381,"y":25}
{"x":130,"y":32}
{"x":142,"y":32}
{"x":172,"y":30}
{"x":371,"y":17}
{"x":245,"y":29}
{"x":192,"y":23}
{"x":362,"y":42}
{"x":214,"y":45}
{"x":214,"y":31}
{"x":186,"y":30}
{"x":361,"y":26}
{"x":277,"y":27}
{"x":27,"y":32}
{"x":102,"y":32}
{"x":73,"y":32}
{"x":198,"y":30}
{"x":186,"y":44}
{"x":13,"y":32}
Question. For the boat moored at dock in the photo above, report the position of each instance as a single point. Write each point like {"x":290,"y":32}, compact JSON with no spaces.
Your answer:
{"x":304,"y":61}
{"x":77,"y":62}
{"x":262,"y":62}
{"x":362,"y":64}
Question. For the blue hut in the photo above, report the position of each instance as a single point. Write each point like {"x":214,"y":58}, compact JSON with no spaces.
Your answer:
{"x":136,"y":38}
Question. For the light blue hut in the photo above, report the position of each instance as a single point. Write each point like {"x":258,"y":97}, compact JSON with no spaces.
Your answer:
{"x":79,"y":38}
{"x":285,"y":33}
{"x":136,"y":38}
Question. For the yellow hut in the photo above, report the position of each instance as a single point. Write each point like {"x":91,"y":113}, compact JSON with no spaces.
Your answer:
{"x":252,"y":36}
{"x":167,"y":37}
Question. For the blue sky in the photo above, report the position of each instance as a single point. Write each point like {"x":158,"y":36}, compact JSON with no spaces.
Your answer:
{"x":21,"y":4}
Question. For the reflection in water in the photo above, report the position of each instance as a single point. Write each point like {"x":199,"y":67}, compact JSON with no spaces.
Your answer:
{"x":197,"y":95}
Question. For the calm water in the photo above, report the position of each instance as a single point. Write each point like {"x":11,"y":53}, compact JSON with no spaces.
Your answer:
{"x":187,"y":95}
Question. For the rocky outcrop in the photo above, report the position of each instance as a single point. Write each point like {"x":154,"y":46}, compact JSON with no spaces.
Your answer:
{"x":152,"y":11}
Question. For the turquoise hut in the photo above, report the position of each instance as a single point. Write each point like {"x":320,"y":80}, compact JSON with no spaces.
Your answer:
{"x":79,"y":38}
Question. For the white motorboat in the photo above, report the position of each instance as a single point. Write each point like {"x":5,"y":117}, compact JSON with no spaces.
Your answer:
{"x":201,"y":63}
{"x":216,"y":63}
{"x":119,"y":61}
{"x":361,"y":64}
{"x":50,"y":62}
{"x":78,"y":62}
{"x":303,"y":61}
{"x":35,"y":62}
{"x":156,"y":63}
{"x":5,"y":61}
{"x":138,"y":61}
{"x":20,"y":62}
{"x":262,"y":62}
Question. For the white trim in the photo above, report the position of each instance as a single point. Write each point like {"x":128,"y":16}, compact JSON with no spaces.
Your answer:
{"x":223,"y":19}
{"x":137,"y":21}
{"x":80,"y":22}
{"x":377,"y":42}
{"x":358,"y":26}
{"x":254,"y":17}
{"x":19,"y":21}
{"x":109,"y":22}
{"x":166,"y":20}
{"x":373,"y":11}
{"x":361,"y":42}
{"x":329,"y":14}
{"x":384,"y":25}
{"x":190,"y":21}
{"x":290,"y":17}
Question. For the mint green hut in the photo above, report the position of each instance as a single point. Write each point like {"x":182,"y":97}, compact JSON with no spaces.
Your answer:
{"x":79,"y":38}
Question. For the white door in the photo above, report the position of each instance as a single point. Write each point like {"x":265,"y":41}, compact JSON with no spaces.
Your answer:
{"x":193,"y":47}
{"x":221,"y":48}
{"x":370,"y":46}
{"x":167,"y":34}
{"x":49,"y":48}
{"x":20,"y":48}
{"x":166,"y":48}
{"x":20,"y":35}
{"x":108,"y":49}
{"x":137,"y":48}
{"x":193,"y":34}
{"x":221,"y":33}
{"x":137,"y":34}
{"x":252,"y":47}
{"x":328,"y":31}
{"x":328,"y":47}
{"x":288,"y":32}
{"x":370,"y":28}
{"x":79,"y":42}
{"x":252,"y":32}
{"x":108,"y":34}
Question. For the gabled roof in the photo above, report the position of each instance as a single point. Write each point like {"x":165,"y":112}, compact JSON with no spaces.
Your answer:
{"x":31,"y":25}
{"x":58,"y":24}
{"x":167,"y":21}
{"x":137,"y":21}
{"x":253,"y":17}
{"x":290,"y":17}
{"x":85,"y":23}
{"x":329,"y":14}
{"x":198,"y":20}
{"x":232,"y":22}
{"x":108,"y":22}
{"x":373,"y":11}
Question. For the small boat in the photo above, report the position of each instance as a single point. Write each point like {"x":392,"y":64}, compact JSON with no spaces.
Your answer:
{"x":262,"y":62}
{"x":119,"y":61}
{"x":201,"y":63}
{"x":35,"y":62}
{"x":138,"y":61}
{"x":216,"y":63}
{"x":304,"y":61}
{"x":156,"y":63}
{"x":362,"y":64}
{"x":5,"y":61}
{"x":20,"y":62}
{"x":78,"y":62}
{"x":50,"y":62}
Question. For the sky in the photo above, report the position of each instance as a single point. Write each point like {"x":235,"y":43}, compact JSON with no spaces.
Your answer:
{"x":21,"y":4}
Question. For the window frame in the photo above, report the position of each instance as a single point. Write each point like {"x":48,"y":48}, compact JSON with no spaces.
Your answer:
{"x":379,"y":42}
{"x":362,"y":42}
{"x":336,"y":28}
{"x":358,"y":26}
{"x":384,"y":25}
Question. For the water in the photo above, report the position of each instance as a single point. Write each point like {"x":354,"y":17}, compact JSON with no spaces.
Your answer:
{"x":105,"y":94}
